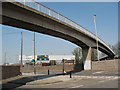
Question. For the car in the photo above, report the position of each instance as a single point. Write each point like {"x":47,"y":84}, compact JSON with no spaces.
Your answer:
{"x":45,"y":64}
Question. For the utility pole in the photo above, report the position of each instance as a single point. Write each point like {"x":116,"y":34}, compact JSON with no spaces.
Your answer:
{"x":34,"y":55}
{"x":16,"y":58}
{"x":21,"y":52}
{"x":5,"y":59}
{"x":96,"y":38}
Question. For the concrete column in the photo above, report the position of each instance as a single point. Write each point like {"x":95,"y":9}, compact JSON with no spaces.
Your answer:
{"x":87,"y":58}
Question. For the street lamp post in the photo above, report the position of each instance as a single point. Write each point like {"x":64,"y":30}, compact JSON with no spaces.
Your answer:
{"x":96,"y":38}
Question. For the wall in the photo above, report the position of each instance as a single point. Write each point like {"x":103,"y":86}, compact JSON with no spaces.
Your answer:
{"x":10,"y":71}
{"x":56,"y":68}
{"x":107,"y":65}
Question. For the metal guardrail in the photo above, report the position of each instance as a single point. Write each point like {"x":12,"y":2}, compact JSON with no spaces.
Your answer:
{"x":38,"y":6}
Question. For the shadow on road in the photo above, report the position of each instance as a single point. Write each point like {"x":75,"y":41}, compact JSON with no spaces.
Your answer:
{"x":22,"y":81}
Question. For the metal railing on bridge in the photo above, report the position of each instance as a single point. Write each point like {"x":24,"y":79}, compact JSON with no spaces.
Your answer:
{"x":38,"y":6}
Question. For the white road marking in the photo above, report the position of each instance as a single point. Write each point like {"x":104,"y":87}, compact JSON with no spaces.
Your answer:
{"x":77,"y":86}
{"x":98,"y":72}
{"x":102,"y":81}
{"x":99,"y":77}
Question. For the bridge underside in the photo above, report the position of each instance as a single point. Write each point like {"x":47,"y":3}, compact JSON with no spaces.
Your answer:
{"x":13,"y":14}
{"x":43,"y":30}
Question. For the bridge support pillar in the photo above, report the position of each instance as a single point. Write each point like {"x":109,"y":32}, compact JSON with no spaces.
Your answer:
{"x":87,"y":58}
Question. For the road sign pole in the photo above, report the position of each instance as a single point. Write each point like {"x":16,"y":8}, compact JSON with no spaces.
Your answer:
{"x":70,"y":74}
{"x":63,"y":65}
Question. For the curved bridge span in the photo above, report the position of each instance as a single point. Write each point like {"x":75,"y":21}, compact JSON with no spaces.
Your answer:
{"x":36,"y":17}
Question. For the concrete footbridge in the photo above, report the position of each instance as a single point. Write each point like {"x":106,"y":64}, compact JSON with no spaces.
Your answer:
{"x":36,"y":17}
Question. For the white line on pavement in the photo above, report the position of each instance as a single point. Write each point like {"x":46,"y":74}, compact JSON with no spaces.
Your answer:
{"x":98,"y":72}
{"x":77,"y":86}
{"x":102,"y":81}
{"x":73,"y":87}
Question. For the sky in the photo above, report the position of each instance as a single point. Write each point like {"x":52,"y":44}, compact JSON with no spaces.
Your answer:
{"x":80,"y":12}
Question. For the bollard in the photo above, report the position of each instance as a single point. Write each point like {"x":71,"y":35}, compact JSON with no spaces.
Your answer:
{"x":48,"y":72}
{"x":70,"y":74}
{"x":63,"y":70}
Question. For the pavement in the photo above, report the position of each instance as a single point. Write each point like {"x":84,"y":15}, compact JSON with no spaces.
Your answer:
{"x":51,"y":80}
{"x":79,"y":83}
{"x":96,"y":73}
{"x":83,"y":79}
{"x":31,"y":79}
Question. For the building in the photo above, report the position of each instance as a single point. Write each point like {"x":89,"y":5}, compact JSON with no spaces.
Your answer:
{"x":61,"y":57}
{"x":46,"y":58}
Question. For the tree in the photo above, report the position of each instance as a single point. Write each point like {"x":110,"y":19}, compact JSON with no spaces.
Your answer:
{"x":78,"y":59}
{"x":116,"y":49}
{"x":53,"y":62}
{"x":78,"y":54}
{"x":102,"y":54}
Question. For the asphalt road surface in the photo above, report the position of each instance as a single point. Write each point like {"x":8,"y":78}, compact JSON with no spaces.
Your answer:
{"x":85,"y":79}
{"x":79,"y":83}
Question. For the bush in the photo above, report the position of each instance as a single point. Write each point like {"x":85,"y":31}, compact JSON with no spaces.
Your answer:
{"x":53,"y":62}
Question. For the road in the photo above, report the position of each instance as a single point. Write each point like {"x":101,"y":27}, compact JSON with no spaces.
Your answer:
{"x":81,"y":83}
{"x":85,"y":79}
